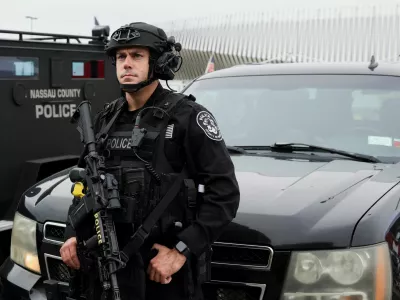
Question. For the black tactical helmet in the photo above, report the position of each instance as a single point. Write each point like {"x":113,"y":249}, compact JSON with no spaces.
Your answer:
{"x":162,"y":60}
{"x":138,"y":34}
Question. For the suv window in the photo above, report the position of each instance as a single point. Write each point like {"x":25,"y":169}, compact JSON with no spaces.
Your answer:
{"x":359,"y":113}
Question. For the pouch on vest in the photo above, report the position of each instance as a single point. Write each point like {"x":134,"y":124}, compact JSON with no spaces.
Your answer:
{"x":183,"y":208}
{"x":132,"y":192}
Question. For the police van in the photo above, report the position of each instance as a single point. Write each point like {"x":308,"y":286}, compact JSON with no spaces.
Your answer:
{"x":43,"y":77}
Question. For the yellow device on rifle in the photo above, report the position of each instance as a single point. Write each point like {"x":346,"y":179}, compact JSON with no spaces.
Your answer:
{"x":78,"y":189}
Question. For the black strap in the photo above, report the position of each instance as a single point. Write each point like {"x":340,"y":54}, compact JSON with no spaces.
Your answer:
{"x":143,"y":231}
{"x":104,"y":130}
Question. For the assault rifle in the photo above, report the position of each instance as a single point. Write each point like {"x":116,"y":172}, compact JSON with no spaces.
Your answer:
{"x":99,"y":196}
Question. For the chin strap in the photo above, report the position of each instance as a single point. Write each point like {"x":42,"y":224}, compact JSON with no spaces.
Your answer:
{"x":134,"y":87}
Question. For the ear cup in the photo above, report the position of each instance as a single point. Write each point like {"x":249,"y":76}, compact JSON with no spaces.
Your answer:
{"x":166,"y":66}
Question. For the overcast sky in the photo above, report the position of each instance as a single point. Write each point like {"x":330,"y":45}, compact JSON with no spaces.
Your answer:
{"x":76,"y":16}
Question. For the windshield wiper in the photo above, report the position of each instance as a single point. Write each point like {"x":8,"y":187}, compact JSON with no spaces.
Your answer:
{"x":307,"y":147}
{"x":235,"y":149}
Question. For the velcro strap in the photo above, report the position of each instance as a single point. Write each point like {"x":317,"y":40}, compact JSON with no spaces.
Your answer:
{"x":190,"y":192}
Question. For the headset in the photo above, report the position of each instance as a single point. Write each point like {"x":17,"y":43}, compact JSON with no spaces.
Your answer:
{"x":169,"y":62}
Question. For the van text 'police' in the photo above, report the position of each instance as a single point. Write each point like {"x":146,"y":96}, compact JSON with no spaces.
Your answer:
{"x":52,"y":111}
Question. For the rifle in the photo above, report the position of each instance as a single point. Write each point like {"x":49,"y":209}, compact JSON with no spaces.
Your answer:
{"x":99,"y":196}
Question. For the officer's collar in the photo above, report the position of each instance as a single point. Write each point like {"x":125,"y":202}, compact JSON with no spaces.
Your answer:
{"x":155,"y":98}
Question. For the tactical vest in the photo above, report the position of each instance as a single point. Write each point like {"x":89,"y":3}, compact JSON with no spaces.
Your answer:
{"x":145,"y":176}
{"x":146,"y":179}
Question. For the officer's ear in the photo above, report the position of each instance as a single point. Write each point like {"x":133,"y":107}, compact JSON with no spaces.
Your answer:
{"x":152,"y":64}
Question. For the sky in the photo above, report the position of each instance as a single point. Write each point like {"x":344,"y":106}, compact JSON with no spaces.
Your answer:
{"x":77,"y":16}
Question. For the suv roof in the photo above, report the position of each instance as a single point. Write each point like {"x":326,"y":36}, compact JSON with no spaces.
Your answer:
{"x":358,"y":68}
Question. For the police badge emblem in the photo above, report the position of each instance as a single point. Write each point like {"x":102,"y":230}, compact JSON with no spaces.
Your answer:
{"x":209,"y":125}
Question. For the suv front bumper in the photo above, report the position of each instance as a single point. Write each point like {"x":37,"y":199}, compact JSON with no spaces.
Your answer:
{"x":19,"y":283}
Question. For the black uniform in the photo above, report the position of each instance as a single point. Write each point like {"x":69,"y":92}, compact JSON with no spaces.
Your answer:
{"x":192,"y":139}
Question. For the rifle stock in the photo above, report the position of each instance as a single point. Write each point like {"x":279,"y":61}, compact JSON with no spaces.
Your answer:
{"x":99,"y":196}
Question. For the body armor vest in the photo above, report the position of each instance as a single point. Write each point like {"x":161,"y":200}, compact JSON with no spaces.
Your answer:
{"x":145,"y":177}
{"x":139,"y":187}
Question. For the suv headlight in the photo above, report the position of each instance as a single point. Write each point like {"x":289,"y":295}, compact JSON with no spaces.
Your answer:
{"x":23,"y":249}
{"x":352,"y":274}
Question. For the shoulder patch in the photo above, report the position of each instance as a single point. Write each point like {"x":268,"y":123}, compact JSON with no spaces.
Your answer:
{"x":209,"y":125}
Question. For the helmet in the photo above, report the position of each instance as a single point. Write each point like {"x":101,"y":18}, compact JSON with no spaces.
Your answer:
{"x":138,"y":34}
{"x":163,"y":61}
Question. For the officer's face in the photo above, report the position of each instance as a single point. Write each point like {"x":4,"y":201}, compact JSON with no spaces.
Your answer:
{"x":132,"y":64}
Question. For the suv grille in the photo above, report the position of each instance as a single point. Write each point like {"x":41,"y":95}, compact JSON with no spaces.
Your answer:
{"x":56,"y":269}
{"x":233,"y":291}
{"x":54,"y":232}
{"x":241,"y":255}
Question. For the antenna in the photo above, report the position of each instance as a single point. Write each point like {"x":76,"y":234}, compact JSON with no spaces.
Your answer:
{"x":372,"y":64}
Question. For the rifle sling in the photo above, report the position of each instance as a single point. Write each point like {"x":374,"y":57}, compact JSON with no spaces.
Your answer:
{"x":104,"y":130}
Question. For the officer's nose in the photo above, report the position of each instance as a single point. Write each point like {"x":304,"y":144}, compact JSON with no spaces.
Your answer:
{"x":128,"y":62}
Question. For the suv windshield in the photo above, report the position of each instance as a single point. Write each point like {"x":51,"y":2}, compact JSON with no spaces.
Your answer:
{"x":356,"y":113}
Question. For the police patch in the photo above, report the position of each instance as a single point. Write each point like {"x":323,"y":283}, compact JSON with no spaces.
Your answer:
{"x":209,"y":125}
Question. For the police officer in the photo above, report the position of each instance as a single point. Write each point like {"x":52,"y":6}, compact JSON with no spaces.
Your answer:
{"x":149,"y":138}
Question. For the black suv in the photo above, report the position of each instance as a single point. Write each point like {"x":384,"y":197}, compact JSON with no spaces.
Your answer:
{"x":316,"y":149}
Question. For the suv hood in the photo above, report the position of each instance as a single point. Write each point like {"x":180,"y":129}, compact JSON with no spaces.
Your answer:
{"x":284,"y":203}
{"x":301,"y":204}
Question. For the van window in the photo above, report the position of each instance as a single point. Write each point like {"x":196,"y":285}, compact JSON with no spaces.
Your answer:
{"x":88,"y":69}
{"x":12,"y":67}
